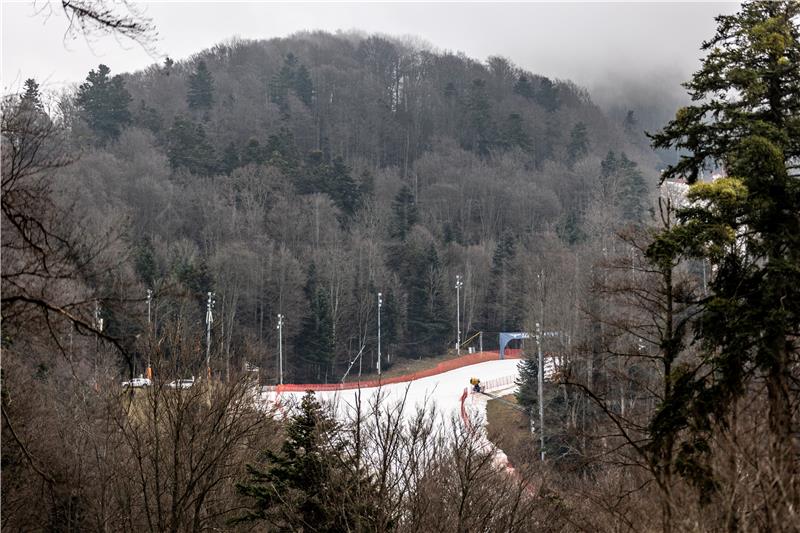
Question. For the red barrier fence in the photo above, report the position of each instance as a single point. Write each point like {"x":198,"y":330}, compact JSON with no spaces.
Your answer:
{"x":446,"y":366}
{"x":464,"y":417}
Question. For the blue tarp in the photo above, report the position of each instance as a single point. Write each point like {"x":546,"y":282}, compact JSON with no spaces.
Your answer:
{"x":505,"y":338}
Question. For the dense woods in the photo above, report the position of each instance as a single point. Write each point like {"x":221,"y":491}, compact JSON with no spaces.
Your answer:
{"x":303,"y":176}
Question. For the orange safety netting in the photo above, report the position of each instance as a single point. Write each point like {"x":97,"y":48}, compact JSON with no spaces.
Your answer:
{"x":446,"y":366}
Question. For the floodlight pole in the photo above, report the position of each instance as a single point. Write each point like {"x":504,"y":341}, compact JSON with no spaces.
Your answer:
{"x":540,"y":383}
{"x":280,"y":348}
{"x":459,"y":284}
{"x":149,"y":371}
{"x":209,"y":321}
{"x":380,"y":303}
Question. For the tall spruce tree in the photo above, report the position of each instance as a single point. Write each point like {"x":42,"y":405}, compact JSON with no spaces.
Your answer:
{"x":501,"y":313}
{"x":404,"y":214}
{"x":479,"y":130}
{"x":31,"y":99}
{"x":315,"y":342}
{"x":745,"y":117}
{"x":308,"y":485}
{"x":427,"y":310}
{"x":200,"y":94}
{"x":189,"y":148}
{"x":578,"y":145}
{"x":303,"y":86}
{"x":104,"y":103}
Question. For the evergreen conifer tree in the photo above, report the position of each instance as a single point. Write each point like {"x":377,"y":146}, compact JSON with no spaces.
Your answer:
{"x":104,"y":103}
{"x":744,"y":116}
{"x":523,"y":87}
{"x":303,"y":86}
{"x":31,"y":99}
{"x":404,"y":214}
{"x":480,"y":131}
{"x":578,"y":145}
{"x":189,"y":148}
{"x":200,"y":95}
{"x":547,"y":95}
{"x":514,"y":134}
{"x":305,"y":486}
{"x":315,"y":342}
{"x":230,"y":159}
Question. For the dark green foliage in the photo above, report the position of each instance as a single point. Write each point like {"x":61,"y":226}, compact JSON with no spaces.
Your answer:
{"x":479,"y":129}
{"x":193,"y":275}
{"x":578,"y":145}
{"x":315,"y":342}
{"x":31,"y":99}
{"x":547,"y":95}
{"x":745,"y":115}
{"x":514,"y":134}
{"x":502,"y":307}
{"x":428,"y":327}
{"x":342,"y":189}
{"x":559,"y":443}
{"x":404,"y":214}
{"x":390,"y":321}
{"x":333,"y":179}
{"x":306,"y":485}
{"x":230,"y":159}
{"x":450,"y":91}
{"x":634,"y":190}
{"x":145,"y":262}
{"x":281,"y":152}
{"x":523,"y":87}
{"x":253,"y":154}
{"x":148,"y":117}
{"x":295,"y":77}
{"x":624,"y":184}
{"x":189,"y":148}
{"x":630,"y":123}
{"x":303,"y":86}
{"x":570,"y":228}
{"x":755,"y":54}
{"x":200,"y":95}
{"x":104,"y":103}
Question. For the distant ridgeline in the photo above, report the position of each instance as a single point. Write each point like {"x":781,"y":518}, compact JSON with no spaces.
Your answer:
{"x":303,"y":175}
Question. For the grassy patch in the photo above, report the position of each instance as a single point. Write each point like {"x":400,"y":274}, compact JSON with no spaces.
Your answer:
{"x":509,"y":429}
{"x":400,"y":366}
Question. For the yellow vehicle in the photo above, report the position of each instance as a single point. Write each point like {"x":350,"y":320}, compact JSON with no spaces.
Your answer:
{"x":476,"y":384}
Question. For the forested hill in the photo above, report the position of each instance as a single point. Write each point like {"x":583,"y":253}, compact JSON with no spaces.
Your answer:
{"x":304,"y":175}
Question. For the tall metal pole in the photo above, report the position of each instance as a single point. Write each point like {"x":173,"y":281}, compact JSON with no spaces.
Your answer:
{"x":149,"y":371}
{"x":380,"y":303}
{"x":209,"y":321}
{"x":540,"y":383}
{"x":280,"y":348}
{"x":149,"y":299}
{"x":459,"y":284}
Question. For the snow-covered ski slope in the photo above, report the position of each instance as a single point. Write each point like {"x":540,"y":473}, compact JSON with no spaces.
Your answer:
{"x":443,"y":390}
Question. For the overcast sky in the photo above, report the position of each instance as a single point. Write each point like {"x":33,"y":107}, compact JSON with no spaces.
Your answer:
{"x":598,"y":45}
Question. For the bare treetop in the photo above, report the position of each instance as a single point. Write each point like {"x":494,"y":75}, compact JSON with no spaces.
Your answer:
{"x":87,"y":17}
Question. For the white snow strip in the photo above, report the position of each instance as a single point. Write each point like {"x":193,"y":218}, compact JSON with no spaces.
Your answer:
{"x":442,"y":390}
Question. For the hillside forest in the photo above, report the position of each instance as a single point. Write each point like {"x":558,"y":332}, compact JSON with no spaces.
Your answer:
{"x":194,"y":219}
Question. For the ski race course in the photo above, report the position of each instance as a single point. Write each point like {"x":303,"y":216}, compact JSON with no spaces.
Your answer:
{"x":444,"y":389}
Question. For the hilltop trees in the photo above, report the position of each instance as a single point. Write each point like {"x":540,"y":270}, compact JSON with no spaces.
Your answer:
{"x":373,"y":157}
{"x":104,"y":103}
{"x":200,"y":95}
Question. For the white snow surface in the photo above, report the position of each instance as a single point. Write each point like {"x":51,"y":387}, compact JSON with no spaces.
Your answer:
{"x":442,"y":391}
